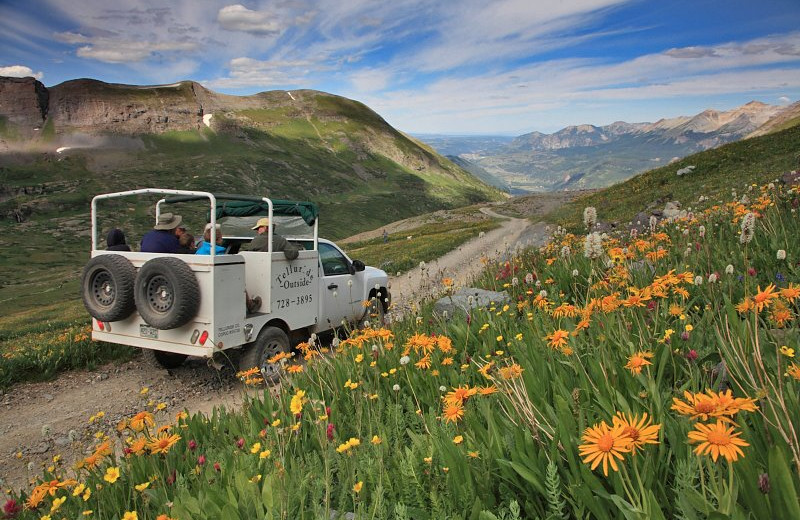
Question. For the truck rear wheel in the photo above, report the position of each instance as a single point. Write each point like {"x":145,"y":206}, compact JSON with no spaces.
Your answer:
{"x":167,"y":293}
{"x":107,"y":287}
{"x":270,"y":342}
{"x":159,"y":358}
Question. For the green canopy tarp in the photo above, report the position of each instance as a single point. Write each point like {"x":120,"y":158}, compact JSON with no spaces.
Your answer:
{"x":245,"y":206}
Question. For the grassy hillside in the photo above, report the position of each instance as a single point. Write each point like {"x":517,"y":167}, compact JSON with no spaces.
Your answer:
{"x":756,"y":160}
{"x":318,"y":147}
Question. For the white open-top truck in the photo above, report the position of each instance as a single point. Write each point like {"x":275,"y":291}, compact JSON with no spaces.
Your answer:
{"x":180,"y":305}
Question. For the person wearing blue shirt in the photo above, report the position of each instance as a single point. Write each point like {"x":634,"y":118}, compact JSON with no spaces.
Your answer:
{"x":163,"y":238}
{"x":205,"y":246}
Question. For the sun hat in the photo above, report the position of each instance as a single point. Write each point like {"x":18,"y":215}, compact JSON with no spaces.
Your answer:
{"x":168,"y":221}
{"x":261,"y":222}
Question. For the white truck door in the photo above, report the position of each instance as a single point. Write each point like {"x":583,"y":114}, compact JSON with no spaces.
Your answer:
{"x":342,"y":292}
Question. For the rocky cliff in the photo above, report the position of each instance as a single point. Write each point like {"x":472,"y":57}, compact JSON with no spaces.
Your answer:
{"x":24,"y":102}
{"x":94,"y":107}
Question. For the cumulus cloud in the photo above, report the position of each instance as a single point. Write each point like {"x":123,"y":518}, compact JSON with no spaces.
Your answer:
{"x":783,"y":100}
{"x":239,"y":18}
{"x":19,"y":71}
{"x":249,"y":72}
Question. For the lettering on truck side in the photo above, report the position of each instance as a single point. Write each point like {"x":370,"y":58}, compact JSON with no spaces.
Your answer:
{"x":301,"y":277}
{"x":227,"y":330}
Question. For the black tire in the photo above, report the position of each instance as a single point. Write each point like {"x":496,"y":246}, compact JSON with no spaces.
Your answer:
{"x":167,"y":293}
{"x":270,"y":342}
{"x":159,"y":358}
{"x":375,"y":314}
{"x":107,"y":286}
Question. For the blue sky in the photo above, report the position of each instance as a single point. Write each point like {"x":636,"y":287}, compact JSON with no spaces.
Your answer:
{"x":454,"y":67}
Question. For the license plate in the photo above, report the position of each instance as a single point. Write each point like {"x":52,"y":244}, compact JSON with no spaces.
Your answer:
{"x":146,"y":331}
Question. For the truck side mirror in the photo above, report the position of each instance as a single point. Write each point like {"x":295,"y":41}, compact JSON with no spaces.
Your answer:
{"x":358,"y":265}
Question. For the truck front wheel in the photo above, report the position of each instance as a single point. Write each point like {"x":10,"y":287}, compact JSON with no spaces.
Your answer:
{"x":270,"y":342}
{"x":375,"y":315}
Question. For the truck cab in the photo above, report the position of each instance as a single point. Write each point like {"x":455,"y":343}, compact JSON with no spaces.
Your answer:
{"x":177,"y":305}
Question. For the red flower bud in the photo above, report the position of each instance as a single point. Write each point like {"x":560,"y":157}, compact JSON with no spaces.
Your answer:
{"x":240,"y":443}
{"x":192,"y":444}
{"x":763,"y":483}
{"x":202,"y":460}
{"x":691,"y":355}
{"x":217,"y":466}
{"x":11,"y":508}
{"x":329,"y":431}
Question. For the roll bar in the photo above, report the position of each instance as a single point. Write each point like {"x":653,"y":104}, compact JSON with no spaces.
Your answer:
{"x":213,"y":214}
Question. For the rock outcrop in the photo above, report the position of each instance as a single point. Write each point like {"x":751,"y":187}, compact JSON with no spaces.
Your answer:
{"x":24,"y":103}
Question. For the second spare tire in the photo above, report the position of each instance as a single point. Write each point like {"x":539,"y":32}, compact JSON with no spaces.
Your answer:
{"x":167,"y":293}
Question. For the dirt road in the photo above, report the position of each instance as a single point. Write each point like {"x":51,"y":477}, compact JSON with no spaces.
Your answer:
{"x":464,"y":263}
{"x":41,"y":420}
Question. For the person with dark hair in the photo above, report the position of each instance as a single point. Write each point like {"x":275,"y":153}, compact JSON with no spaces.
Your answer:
{"x":116,"y":241}
{"x":186,"y":244}
{"x":164,"y":236}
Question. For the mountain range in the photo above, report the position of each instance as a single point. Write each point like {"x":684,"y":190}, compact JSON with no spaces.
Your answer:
{"x":588,"y":156}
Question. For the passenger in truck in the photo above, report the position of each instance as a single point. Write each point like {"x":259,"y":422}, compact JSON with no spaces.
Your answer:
{"x":163,"y":238}
{"x":205,"y":246}
{"x":261,"y":240}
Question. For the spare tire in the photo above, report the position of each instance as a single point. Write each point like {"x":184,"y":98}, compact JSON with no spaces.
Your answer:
{"x":167,"y":293}
{"x":107,"y":287}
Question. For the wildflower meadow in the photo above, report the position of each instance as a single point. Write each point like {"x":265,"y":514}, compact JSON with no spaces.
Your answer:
{"x":646,"y":374}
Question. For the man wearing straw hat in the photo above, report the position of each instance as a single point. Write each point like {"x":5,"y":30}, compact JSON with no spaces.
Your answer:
{"x":164,"y":236}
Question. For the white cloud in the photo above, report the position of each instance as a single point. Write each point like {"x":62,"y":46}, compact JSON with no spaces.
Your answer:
{"x":20,"y":71}
{"x":239,"y":18}
{"x":249,"y":72}
{"x":529,"y":95}
{"x":114,"y":51}
{"x":369,"y":80}
{"x":783,"y":100}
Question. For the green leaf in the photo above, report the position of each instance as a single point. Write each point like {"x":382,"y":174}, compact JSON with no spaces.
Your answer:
{"x":229,"y":512}
{"x":627,"y":509}
{"x":783,"y":495}
{"x":530,"y":476}
{"x":652,"y":507}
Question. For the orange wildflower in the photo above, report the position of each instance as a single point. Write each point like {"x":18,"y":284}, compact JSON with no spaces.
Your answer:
{"x":764,"y":298}
{"x":790,"y":293}
{"x":557,"y":338}
{"x":459,"y":394}
{"x":640,"y":431}
{"x":604,"y":444}
{"x":717,"y":439}
{"x":142,"y":420}
{"x":637,"y":361}
{"x":453,"y":411}
{"x":745,"y":306}
{"x":163,"y":443}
